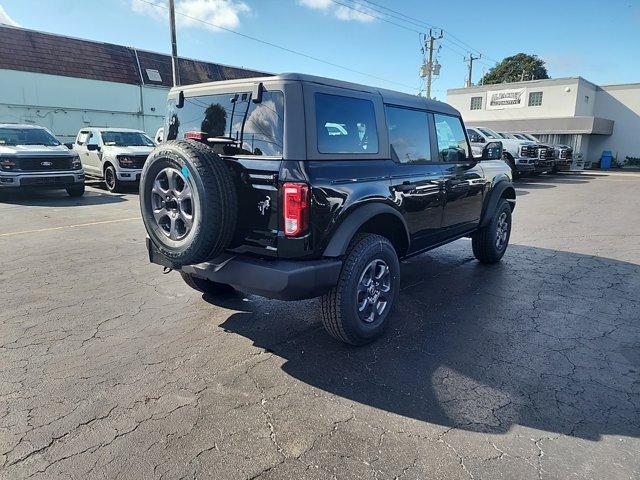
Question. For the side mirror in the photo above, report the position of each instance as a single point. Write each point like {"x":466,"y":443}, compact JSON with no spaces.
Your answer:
{"x":94,"y":147}
{"x":492,"y":151}
{"x":69,"y":145}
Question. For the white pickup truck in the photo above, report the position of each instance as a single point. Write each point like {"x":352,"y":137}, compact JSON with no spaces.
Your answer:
{"x":30,"y":156}
{"x":115,"y":155}
{"x":521,"y":155}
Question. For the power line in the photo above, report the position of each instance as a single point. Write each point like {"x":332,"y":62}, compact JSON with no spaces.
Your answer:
{"x":417,"y":21}
{"x":374,"y":16}
{"x":280,"y":47}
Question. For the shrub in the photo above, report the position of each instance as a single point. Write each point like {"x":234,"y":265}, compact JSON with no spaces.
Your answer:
{"x":632,"y":161}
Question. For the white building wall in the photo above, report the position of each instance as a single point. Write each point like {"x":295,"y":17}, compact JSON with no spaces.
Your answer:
{"x":620,"y":103}
{"x":67,"y":104}
{"x":556,"y":100}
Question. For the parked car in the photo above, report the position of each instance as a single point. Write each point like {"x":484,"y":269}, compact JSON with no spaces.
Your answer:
{"x":563,"y":154}
{"x":520,"y":155}
{"x":115,"y":155}
{"x":546,"y":153}
{"x":31,"y":156}
{"x":256,"y":189}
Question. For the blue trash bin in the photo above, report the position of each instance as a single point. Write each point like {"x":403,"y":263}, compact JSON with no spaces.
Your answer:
{"x":605,"y":160}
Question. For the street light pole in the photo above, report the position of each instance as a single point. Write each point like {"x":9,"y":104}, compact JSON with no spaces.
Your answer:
{"x":174,"y":44}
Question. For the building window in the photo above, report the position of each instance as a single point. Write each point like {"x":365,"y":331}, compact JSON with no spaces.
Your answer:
{"x":535,"y":99}
{"x":476,"y":103}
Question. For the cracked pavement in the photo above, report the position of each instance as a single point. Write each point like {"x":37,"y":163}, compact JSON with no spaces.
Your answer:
{"x":525,"y":370}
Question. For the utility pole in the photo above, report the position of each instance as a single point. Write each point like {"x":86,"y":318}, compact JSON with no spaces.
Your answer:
{"x":174,"y":44}
{"x":470,"y":60}
{"x":429,"y":69}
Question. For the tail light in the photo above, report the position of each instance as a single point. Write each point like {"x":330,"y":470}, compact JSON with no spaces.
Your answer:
{"x":295,"y":208}
{"x":194,"y":135}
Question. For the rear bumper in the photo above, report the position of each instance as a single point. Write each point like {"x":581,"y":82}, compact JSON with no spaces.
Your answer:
{"x":279,"y":279}
{"x":58,"y":179}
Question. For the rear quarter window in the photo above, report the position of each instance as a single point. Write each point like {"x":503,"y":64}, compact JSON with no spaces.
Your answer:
{"x":345,"y":125}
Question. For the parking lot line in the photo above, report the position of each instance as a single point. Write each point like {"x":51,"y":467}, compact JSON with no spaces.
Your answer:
{"x":40,"y":230}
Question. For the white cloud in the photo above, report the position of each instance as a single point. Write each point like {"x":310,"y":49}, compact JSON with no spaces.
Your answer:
{"x":357,"y":13}
{"x":224,"y":13}
{"x":5,"y":19}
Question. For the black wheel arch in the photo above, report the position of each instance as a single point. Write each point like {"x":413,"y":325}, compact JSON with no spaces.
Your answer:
{"x":379,"y":218}
{"x":503,"y":189}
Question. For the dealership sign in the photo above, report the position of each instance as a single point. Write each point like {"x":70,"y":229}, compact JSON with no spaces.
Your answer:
{"x":506,"y":99}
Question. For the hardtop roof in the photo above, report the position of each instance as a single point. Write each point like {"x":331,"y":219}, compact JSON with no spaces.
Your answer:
{"x":22,"y":126}
{"x":388,"y":96}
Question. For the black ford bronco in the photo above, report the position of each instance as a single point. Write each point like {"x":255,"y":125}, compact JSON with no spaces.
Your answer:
{"x":295,"y":186}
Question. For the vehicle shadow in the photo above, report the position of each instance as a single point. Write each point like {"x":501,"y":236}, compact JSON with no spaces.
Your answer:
{"x":546,"y":339}
{"x":57,"y":198}
{"x":99,"y":184}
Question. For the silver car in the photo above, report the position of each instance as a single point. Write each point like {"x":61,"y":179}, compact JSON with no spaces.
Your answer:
{"x":31,"y":156}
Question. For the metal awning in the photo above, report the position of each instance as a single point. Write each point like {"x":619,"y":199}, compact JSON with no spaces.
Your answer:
{"x":559,"y":125}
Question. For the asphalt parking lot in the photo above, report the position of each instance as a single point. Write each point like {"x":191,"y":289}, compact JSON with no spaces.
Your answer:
{"x":529,"y":369}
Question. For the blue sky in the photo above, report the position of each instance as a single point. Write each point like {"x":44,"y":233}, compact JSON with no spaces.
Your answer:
{"x":597,"y":40}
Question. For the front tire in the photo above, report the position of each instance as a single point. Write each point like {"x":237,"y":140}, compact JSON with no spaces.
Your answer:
{"x":206,"y":286}
{"x":490,"y":242}
{"x":76,"y":190}
{"x":111,"y":180}
{"x":357,"y":310}
{"x":512,"y":164}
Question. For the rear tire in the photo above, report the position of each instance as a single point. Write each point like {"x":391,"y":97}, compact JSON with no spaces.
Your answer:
{"x":111,"y":180}
{"x":206,"y":286}
{"x":490,"y":242}
{"x":76,"y":190}
{"x":357,"y":310}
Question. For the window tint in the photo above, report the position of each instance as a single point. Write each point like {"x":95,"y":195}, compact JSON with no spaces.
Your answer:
{"x":452,"y":142}
{"x":345,"y":125}
{"x":27,"y":136}
{"x":126,"y":139}
{"x":408,"y":135}
{"x":476,"y":103}
{"x":489,"y":133}
{"x":237,"y":125}
{"x":535,"y":99}
{"x":93,"y":139}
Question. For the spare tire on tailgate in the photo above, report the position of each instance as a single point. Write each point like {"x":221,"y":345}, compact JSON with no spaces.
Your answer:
{"x":188,"y":201}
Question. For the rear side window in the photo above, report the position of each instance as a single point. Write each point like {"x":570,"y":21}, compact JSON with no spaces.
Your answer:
{"x":452,"y":142}
{"x":408,"y":135}
{"x":345,"y":125}
{"x":231,"y":121}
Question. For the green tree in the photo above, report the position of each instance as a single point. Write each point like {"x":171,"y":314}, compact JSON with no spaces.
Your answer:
{"x":516,"y":68}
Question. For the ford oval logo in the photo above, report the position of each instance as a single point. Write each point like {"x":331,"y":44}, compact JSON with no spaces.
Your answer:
{"x":46,"y":164}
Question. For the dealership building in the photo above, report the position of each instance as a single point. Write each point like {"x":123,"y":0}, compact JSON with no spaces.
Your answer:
{"x":571,"y":111}
{"x":65,"y":83}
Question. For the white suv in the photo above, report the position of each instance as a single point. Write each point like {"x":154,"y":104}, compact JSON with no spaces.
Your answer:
{"x":116,"y":155}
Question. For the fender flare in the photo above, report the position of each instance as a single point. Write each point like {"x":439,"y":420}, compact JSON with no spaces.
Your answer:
{"x":494,"y":197}
{"x":351,"y":224}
